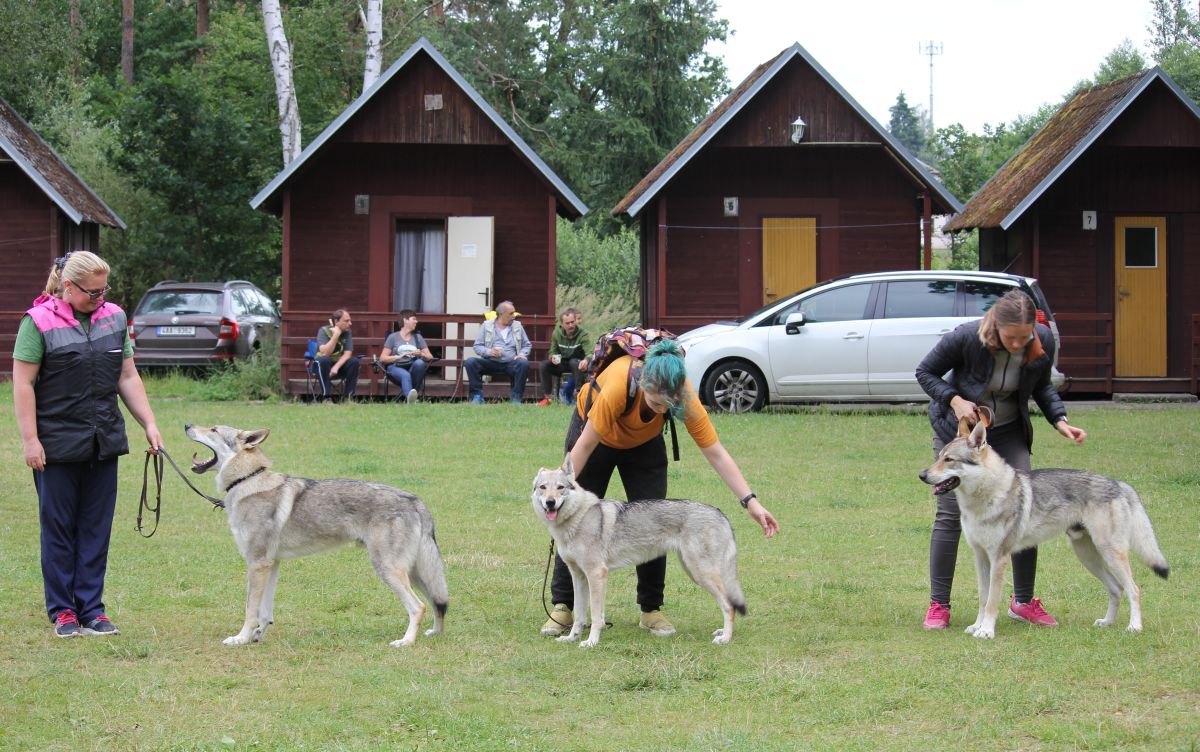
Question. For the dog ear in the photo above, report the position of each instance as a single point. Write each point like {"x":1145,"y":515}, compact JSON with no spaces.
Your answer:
{"x":978,"y":437}
{"x":254,"y":438}
{"x":568,"y":467}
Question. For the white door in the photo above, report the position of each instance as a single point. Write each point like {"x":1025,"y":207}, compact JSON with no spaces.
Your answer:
{"x":469,"y":290}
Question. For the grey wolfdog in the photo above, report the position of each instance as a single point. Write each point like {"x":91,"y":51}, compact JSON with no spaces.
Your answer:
{"x":595,"y":535}
{"x":275,"y":516}
{"x":1004,"y":511}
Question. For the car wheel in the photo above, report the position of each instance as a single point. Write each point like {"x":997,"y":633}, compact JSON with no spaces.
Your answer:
{"x":735,"y":387}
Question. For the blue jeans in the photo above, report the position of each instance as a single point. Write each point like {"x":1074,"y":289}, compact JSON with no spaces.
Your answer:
{"x":518,"y":369}
{"x":410,"y":376}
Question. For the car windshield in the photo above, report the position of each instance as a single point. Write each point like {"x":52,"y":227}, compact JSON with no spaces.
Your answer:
{"x":180,"y":302}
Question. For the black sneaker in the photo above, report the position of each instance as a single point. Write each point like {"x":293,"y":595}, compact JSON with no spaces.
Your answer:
{"x":100,"y":627}
{"x":65,"y":624}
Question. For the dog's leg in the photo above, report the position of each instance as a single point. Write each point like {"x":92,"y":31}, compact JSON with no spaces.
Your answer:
{"x":395,"y":574}
{"x":597,"y":586}
{"x":580,"y":585}
{"x":1085,"y":550}
{"x":983,"y":580}
{"x":1117,"y":561}
{"x":987,"y":630}
{"x":266,"y":611}
{"x":258,"y":574}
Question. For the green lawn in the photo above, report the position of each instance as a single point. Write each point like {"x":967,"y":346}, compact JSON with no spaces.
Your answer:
{"x":831,"y":655}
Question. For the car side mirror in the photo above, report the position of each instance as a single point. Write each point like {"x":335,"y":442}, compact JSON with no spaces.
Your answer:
{"x":793,"y":322}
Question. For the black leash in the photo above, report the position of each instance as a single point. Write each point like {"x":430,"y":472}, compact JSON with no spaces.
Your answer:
{"x":545,"y":580}
{"x":144,"y":504}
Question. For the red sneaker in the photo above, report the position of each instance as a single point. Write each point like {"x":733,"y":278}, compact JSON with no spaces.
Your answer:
{"x":1031,"y":612}
{"x":544,"y":402}
{"x":938,"y":616}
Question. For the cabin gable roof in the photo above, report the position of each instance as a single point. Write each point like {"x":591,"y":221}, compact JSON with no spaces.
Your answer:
{"x":41,"y":164}
{"x":1073,"y":129}
{"x":489,"y":128}
{"x":720,"y":128}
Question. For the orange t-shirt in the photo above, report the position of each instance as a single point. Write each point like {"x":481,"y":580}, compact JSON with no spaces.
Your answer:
{"x":621,"y":430}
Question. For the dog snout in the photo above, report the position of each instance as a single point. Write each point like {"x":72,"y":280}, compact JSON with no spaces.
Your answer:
{"x":187,"y":426}
{"x":923,"y":475}
{"x":549,"y":504}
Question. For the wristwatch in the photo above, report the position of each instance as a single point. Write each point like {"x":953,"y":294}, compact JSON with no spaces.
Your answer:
{"x":745,"y":500}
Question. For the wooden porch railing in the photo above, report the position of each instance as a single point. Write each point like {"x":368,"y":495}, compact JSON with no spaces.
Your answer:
{"x":1196,"y":354}
{"x":1082,"y":336}
{"x":371,"y":329}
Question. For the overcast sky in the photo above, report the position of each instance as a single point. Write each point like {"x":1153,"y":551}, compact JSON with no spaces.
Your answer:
{"x":999,"y":58}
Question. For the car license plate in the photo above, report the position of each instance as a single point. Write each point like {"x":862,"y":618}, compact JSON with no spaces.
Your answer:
{"x":176,"y":331}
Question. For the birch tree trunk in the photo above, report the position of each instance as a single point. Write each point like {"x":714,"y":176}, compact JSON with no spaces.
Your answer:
{"x":373,"y":23}
{"x":285,"y":89}
{"x":127,"y":40}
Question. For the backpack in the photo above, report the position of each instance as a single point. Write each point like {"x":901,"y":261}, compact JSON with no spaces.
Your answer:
{"x":633,"y":341}
{"x":630,"y":340}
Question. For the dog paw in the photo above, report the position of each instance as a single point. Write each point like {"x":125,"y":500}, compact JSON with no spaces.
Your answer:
{"x":432,"y":632}
{"x":720,"y":638}
{"x":402,"y":643}
{"x":971,"y":630}
{"x":1102,"y":622}
{"x":1134,"y":629}
{"x":567,"y":638}
{"x":985,"y":634}
{"x":590,"y":642}
{"x":236,"y":639}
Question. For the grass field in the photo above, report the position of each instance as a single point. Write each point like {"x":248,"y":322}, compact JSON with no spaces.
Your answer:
{"x":831,"y":655}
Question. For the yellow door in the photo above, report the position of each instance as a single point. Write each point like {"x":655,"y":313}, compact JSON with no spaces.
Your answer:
{"x":789,"y":256}
{"x":1141,"y":292}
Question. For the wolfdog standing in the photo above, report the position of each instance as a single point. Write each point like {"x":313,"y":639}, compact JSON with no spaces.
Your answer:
{"x":275,"y":516}
{"x":1004,"y":511}
{"x":595,"y":535}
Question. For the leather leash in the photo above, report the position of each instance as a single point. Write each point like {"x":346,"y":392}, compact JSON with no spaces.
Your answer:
{"x":144,"y":505}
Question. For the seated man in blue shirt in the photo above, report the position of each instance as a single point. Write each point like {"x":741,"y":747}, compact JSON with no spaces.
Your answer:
{"x":500,"y":347}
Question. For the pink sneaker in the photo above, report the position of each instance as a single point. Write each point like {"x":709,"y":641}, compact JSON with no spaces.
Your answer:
{"x":938,"y":616}
{"x":1031,"y":612}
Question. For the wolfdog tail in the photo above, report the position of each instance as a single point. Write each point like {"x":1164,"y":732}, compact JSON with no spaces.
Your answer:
{"x":733,"y":589}
{"x":1142,"y":538}
{"x":430,"y":572}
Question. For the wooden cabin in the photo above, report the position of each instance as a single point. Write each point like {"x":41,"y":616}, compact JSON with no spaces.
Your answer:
{"x":45,"y":211}
{"x":419,"y":195}
{"x":1102,"y":205}
{"x":786,"y":183}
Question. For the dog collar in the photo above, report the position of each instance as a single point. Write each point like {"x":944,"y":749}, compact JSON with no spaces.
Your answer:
{"x":244,"y":477}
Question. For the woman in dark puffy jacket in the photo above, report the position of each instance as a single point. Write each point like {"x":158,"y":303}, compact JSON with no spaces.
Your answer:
{"x":1001,"y":362}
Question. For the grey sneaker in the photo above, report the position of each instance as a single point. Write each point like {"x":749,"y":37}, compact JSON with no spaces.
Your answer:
{"x":100,"y":627}
{"x":66,"y":624}
{"x":656,"y":623}
{"x":559,"y":622}
{"x":412,"y":396}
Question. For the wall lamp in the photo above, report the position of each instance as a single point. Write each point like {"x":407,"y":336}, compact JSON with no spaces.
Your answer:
{"x":798,"y":128}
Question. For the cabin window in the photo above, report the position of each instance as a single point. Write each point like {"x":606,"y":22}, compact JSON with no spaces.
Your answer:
{"x":419,"y":278}
{"x":1141,"y":247}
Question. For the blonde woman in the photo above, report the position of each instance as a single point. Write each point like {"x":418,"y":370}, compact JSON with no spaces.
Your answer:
{"x":71,"y":359}
{"x":1001,"y":361}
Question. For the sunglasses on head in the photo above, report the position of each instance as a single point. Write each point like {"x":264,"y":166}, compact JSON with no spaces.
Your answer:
{"x":93,"y":294}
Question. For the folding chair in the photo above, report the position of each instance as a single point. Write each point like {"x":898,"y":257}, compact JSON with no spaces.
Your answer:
{"x":310,"y":362}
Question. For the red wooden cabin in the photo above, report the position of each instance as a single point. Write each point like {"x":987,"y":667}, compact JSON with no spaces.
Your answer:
{"x":419,"y":195}
{"x":786,"y":183}
{"x":1102,"y":205}
{"x":45,"y":211}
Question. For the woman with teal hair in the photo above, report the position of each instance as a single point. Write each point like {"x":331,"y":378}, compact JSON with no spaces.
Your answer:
{"x":605,"y":435}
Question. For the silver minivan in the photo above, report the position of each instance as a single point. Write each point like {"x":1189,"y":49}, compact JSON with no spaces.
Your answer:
{"x":853,"y":339}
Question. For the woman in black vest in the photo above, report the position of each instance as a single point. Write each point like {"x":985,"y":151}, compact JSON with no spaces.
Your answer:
{"x":71,"y":359}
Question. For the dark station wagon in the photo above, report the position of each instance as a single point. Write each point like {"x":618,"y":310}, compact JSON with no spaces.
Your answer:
{"x":192,"y":324}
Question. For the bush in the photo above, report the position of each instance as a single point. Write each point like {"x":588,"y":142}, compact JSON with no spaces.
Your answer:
{"x":598,"y":314}
{"x":256,"y":378}
{"x":608,"y":266}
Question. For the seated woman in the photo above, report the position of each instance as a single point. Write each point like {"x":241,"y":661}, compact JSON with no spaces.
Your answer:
{"x":406,"y":357}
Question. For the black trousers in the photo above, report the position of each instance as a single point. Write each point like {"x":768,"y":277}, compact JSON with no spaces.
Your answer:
{"x":76,"y":501}
{"x":1009,"y":443}
{"x":643,"y":472}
